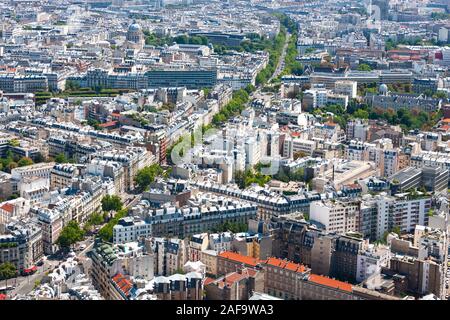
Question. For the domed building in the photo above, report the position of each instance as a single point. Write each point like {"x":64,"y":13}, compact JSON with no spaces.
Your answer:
{"x":383,"y":89}
{"x":134,"y":33}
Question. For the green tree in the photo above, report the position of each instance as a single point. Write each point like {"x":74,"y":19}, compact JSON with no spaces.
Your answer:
{"x":14,"y":143}
{"x":39,"y":158}
{"x":206,"y":91}
{"x":37,"y":283}
{"x":364,"y":67}
{"x":234,"y":227}
{"x":12,"y":165}
{"x":96,"y":218}
{"x":361,"y":114}
{"x":111,"y":203}
{"x":25,"y":161}
{"x":396,"y":230}
{"x":7,"y":271}
{"x":71,"y":233}
{"x":61,"y":158}
{"x":245,"y":178}
{"x":95,"y":124}
{"x":106,"y":233}
{"x":147,"y":175}
{"x":440,"y":95}
{"x":72,"y":85}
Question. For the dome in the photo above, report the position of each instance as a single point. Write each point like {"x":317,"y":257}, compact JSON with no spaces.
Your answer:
{"x":134,"y":27}
{"x":383,"y":89}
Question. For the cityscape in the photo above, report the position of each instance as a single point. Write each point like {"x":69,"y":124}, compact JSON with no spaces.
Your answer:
{"x":226,"y":150}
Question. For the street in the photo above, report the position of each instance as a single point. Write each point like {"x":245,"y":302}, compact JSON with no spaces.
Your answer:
{"x":278,"y":70}
{"x":280,"y":65}
{"x":25,"y":284}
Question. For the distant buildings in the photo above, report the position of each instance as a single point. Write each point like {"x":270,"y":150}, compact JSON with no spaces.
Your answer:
{"x":189,"y":78}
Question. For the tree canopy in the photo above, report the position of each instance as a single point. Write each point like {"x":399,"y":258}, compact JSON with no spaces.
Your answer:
{"x":147,"y":175}
{"x":234,"y":227}
{"x":25,"y":161}
{"x":364,"y":67}
{"x":245,"y":178}
{"x":71,"y":234}
{"x":7,"y":271}
{"x":106,"y":233}
{"x":61,"y":158}
{"x":111,"y":203}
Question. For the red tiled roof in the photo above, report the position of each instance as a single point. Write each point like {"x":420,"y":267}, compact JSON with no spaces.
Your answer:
{"x":239,"y":258}
{"x":328,"y":282}
{"x":207,"y":281}
{"x":231,"y":278}
{"x":122,"y":283}
{"x":283,"y":264}
{"x":234,"y":277}
{"x":108,"y":124}
{"x":8,"y":207}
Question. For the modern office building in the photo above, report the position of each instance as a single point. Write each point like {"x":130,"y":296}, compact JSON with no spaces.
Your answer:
{"x":191,"y":79}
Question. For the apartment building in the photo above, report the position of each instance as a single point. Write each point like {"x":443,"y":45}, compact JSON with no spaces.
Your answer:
{"x":51,"y":223}
{"x":191,"y":79}
{"x":292,"y":281}
{"x":423,"y":262}
{"x":292,"y":146}
{"x":371,"y":261}
{"x":346,"y":87}
{"x":130,"y":229}
{"x":209,"y":259}
{"x":282,"y":278}
{"x":179,"y":287}
{"x":42,"y":170}
{"x":108,"y":170}
{"x":237,"y":285}
{"x":171,"y":254}
{"x":21,"y":245}
{"x":186,"y":221}
{"x":14,"y":83}
{"x":345,"y":257}
{"x":109,"y":260}
{"x":197,"y":244}
{"x":61,"y":175}
{"x":228,"y":262}
{"x":132,"y":159}
{"x":340,"y":216}
{"x":257,"y":246}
